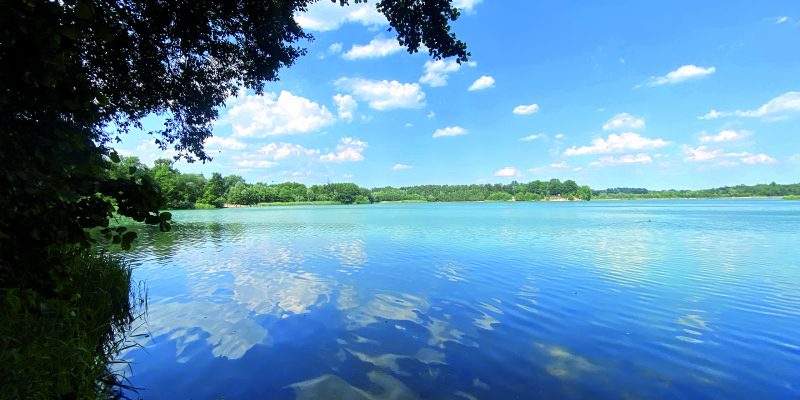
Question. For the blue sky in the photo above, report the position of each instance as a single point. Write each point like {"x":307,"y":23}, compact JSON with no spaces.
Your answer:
{"x":679,"y":94}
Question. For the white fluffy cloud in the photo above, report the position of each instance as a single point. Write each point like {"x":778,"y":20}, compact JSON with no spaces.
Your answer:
{"x":531,"y":138}
{"x":280,"y":151}
{"x":348,"y":149}
{"x":270,"y":114}
{"x":682,"y":74}
{"x":398,"y":167}
{"x":384,"y":95}
{"x":224,"y":142}
{"x":703,"y":153}
{"x":378,"y":47}
{"x":335,"y":48}
{"x":607,"y":161}
{"x":484,"y":82}
{"x":526,"y":109}
{"x":779,"y":107}
{"x":617,"y":144}
{"x":782,"y":19}
{"x":345,"y":106}
{"x":759,"y":159}
{"x":326,"y":16}
{"x":467,"y":6}
{"x":436,"y":72}
{"x":450,"y":131}
{"x":624,"y":121}
{"x":508,"y":172}
{"x":727,"y":135}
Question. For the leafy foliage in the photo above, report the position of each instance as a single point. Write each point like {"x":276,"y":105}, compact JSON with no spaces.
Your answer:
{"x":62,"y":345}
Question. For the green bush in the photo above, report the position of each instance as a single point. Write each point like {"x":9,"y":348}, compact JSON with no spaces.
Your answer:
{"x":62,"y":344}
{"x":499,"y":196}
{"x":361,"y":200}
{"x":204,"y":206}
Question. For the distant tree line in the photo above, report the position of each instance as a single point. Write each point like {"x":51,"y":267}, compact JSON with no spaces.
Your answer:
{"x":187,"y":191}
{"x":761,"y":190}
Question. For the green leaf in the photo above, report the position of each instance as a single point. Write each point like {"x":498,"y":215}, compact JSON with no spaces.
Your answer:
{"x":114,"y":156}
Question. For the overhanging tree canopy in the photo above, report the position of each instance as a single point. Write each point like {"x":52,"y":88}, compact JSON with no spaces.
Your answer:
{"x":77,"y":74}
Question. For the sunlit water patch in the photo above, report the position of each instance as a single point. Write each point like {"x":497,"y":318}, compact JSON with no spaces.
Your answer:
{"x":648,"y":299}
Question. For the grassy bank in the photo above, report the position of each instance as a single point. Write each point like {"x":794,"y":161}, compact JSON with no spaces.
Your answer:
{"x":791,"y":197}
{"x":61,"y":344}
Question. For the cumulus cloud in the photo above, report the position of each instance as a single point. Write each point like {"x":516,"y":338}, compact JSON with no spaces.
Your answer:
{"x":327,"y":16}
{"x":280,"y":151}
{"x":617,"y":144}
{"x":727,"y":135}
{"x":607,"y":161}
{"x":398,"y":167}
{"x":384,"y":95}
{"x":450,"y":131}
{"x":437,"y":72}
{"x":224,"y":142}
{"x":703,"y":153}
{"x":348,"y":149}
{"x":777,"y":108}
{"x":559,"y":136}
{"x":682,"y":74}
{"x":335,"y":48}
{"x":270,"y":114}
{"x":759,"y":159}
{"x":526,"y":109}
{"x":467,"y":6}
{"x":378,"y":47}
{"x":345,"y":106}
{"x":531,"y":138}
{"x":484,"y":82}
{"x":624,"y":121}
{"x":508,"y":172}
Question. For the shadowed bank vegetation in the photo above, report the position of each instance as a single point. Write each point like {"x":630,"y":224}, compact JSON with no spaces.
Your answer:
{"x":62,"y":344}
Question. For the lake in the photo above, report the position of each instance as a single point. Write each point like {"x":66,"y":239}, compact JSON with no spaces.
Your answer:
{"x":690,"y":299}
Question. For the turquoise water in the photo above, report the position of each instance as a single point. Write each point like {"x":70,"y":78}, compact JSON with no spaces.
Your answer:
{"x":616,"y":300}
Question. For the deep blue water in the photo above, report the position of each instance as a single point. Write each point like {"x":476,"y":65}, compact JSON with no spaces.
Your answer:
{"x":691,"y":299}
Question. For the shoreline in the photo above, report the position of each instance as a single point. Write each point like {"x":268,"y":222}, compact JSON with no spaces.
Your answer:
{"x":690,"y":198}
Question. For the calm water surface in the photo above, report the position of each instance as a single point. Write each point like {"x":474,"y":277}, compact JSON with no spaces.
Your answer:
{"x":626,"y":299}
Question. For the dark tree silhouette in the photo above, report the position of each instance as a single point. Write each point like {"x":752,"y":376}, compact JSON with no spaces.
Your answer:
{"x":79,"y":74}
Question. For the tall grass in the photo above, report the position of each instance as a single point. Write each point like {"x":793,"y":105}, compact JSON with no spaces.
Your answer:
{"x":62,"y":344}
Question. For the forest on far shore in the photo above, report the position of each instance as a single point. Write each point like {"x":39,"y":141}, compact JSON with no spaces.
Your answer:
{"x":189,"y":191}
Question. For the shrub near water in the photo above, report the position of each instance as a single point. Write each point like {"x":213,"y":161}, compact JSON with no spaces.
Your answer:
{"x":62,"y":344}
